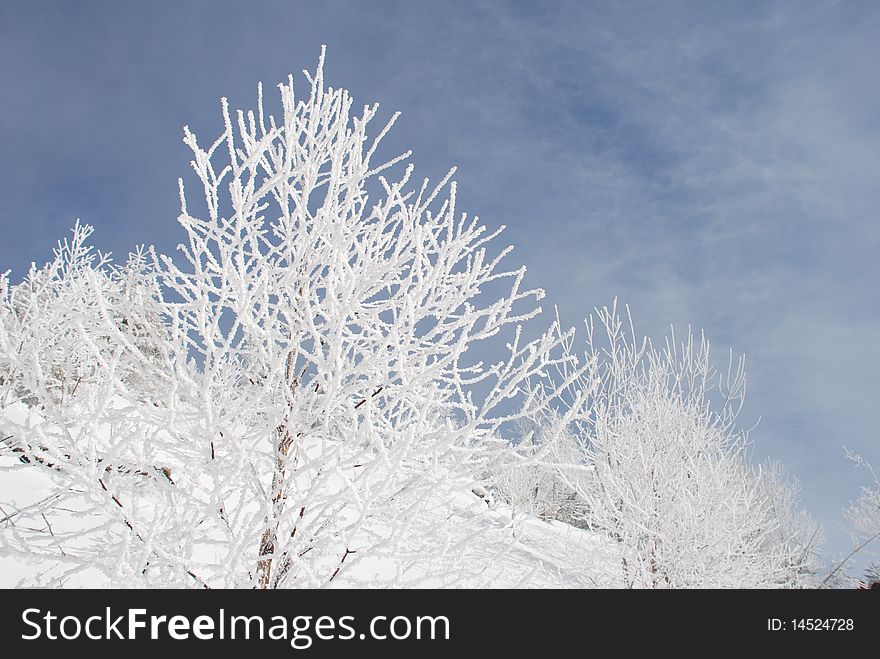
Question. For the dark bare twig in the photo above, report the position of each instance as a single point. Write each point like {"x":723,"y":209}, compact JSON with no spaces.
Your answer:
{"x":8,"y":517}
{"x":52,"y":533}
{"x":342,"y":560}
{"x":373,"y":395}
{"x":285,"y":558}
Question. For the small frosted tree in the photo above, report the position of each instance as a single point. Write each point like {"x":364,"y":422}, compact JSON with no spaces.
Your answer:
{"x":40,"y":316}
{"x":47,"y":316}
{"x":314,"y":390}
{"x":863,"y":517}
{"x":525,"y":476}
{"x":664,"y":471}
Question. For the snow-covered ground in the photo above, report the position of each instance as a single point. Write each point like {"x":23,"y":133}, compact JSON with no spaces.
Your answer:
{"x":509,"y":550}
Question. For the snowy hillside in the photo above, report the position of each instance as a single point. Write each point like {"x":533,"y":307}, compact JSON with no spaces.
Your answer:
{"x":542,"y":555}
{"x":506,"y":550}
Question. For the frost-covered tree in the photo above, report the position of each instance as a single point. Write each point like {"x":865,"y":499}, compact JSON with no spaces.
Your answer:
{"x":863,"y":518}
{"x":526,"y":477}
{"x":664,"y":471}
{"x":310,"y":398}
{"x":47,"y":316}
{"x":40,"y":316}
{"x":794,"y":546}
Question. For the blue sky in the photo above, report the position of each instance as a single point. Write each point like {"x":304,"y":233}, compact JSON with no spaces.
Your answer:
{"x":709,"y":163}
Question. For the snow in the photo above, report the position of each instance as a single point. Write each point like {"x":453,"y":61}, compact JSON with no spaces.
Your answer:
{"x":512,"y":550}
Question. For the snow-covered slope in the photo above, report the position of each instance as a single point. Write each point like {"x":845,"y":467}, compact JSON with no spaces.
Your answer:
{"x":505,"y":549}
